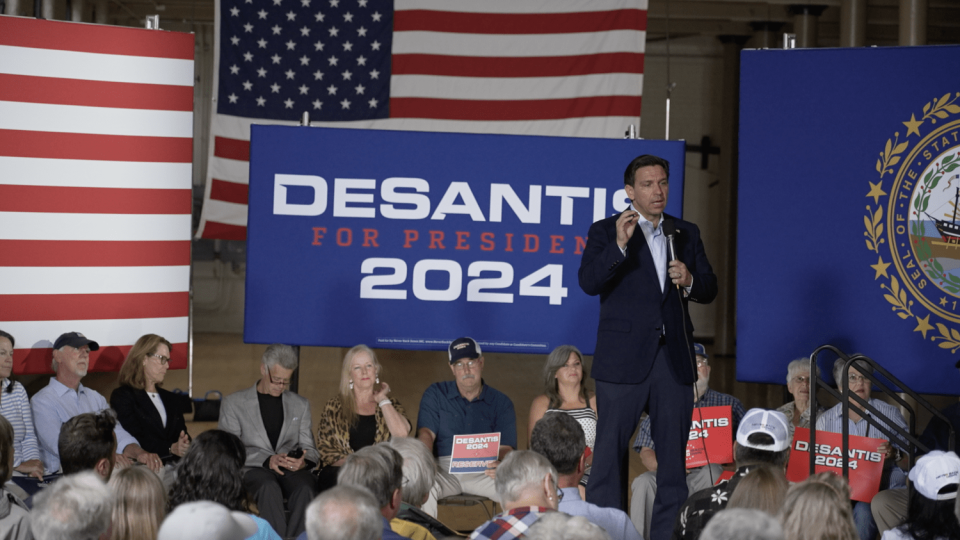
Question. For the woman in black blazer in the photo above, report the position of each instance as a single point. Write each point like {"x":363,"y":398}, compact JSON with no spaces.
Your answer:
{"x":151,"y":414}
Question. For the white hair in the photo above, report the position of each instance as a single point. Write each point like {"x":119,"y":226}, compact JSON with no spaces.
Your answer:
{"x":419,"y":469}
{"x":344,"y":513}
{"x":799,"y":365}
{"x":282,"y":355}
{"x":77,"y":507}
{"x":520,"y":471}
{"x":560,"y":526}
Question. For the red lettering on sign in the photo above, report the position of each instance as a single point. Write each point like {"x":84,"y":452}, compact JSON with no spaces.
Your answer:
{"x":462,"y":240}
{"x":370,"y":238}
{"x":581,"y":243}
{"x":509,"y":242}
{"x":486,"y":241}
{"x":410,"y":236}
{"x":344,"y":233}
{"x":318,"y":233}
{"x":526,"y":243}
{"x":436,"y":239}
{"x":555,"y":246}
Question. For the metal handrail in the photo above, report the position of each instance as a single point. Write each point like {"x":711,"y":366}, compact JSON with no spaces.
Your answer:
{"x":874,"y":418}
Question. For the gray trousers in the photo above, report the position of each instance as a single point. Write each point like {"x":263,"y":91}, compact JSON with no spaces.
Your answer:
{"x":644,"y":491}
{"x":889,"y":508}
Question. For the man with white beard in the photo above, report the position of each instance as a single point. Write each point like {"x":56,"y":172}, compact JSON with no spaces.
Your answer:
{"x":644,"y":487}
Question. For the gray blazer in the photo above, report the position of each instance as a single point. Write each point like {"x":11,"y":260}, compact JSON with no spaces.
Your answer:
{"x":240,"y":415}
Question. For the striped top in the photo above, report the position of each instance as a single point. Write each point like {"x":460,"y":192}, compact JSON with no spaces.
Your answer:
{"x":587,"y":418}
{"x":832,"y":420}
{"x":15,"y":407}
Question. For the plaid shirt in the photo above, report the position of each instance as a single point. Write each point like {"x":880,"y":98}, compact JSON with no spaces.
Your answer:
{"x":711,"y":398}
{"x":508,"y":525}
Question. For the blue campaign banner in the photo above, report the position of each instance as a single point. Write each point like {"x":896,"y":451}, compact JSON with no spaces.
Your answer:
{"x":408,"y":240}
{"x":848,"y":230}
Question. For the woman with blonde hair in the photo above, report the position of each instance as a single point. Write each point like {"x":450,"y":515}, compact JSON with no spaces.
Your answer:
{"x":151,"y":414}
{"x":139,"y":505}
{"x":818,"y":509}
{"x":763,"y":488}
{"x":360,"y":415}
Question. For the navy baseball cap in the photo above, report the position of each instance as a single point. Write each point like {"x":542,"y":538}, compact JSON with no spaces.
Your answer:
{"x":700,"y":350}
{"x":75,"y":339}
{"x":463,"y":348}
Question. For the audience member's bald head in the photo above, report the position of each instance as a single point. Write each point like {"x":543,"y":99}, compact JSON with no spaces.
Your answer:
{"x":344,"y":512}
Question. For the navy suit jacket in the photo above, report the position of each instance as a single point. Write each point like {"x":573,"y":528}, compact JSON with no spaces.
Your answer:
{"x":633,"y":309}
{"x":141,"y":419}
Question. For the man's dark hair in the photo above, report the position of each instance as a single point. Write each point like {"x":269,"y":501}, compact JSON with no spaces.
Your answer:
{"x":211,"y":470}
{"x":746,"y":455}
{"x":560,"y":439}
{"x":646,"y":160}
{"x":85,"y":439}
{"x":928,"y":519}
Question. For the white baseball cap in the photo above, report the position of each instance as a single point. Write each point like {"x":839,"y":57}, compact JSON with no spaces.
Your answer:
{"x":933,"y":472}
{"x":773,"y":423}
{"x":206,"y":520}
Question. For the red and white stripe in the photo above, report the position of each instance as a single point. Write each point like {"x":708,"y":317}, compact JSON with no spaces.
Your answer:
{"x":540,"y":67}
{"x":96,"y":145}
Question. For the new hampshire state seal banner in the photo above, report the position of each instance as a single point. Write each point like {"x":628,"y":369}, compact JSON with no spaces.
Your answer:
{"x":849,"y":226}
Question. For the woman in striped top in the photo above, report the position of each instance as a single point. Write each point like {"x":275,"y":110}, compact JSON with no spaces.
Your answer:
{"x":15,"y":407}
{"x":565,"y":390}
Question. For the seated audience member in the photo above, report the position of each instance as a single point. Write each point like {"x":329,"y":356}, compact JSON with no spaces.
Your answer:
{"x":343,"y":513}
{"x":763,"y":488}
{"x":277,"y":430}
{"x":460,"y":407}
{"x":379,"y":470}
{"x":560,"y":526}
{"x":799,"y":383}
{"x":76,"y":507}
{"x":139,"y":504}
{"x":207,"y":520}
{"x":818,"y":509}
{"x":360,"y":415}
{"x":64,"y":397}
{"x":930,"y":513}
{"x":527,"y":488}
{"x":832,"y":420}
{"x":87,"y":443}
{"x":560,"y":439}
{"x":762,"y":437}
{"x":151,"y":414}
{"x":889,"y":507}
{"x":211,"y":471}
{"x":419,"y":472}
{"x":15,"y":407}
{"x":644,"y":487}
{"x":742,"y":524}
{"x":14,"y":516}
{"x":565,"y":390}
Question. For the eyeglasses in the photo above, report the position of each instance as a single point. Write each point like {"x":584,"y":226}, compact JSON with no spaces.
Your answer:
{"x":459,"y":366}
{"x":855,"y":378}
{"x":164,"y":360}
{"x":277,"y":381}
{"x":702,"y":362}
{"x":559,"y":495}
{"x":801,"y":379}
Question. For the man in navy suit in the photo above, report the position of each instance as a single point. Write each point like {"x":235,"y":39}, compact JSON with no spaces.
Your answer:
{"x":644,"y":355}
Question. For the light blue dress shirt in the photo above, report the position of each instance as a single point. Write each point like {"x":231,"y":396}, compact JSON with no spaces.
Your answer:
{"x":616,"y":522}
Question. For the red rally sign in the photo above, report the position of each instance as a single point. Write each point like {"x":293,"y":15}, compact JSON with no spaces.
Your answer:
{"x":711,"y":437}
{"x":865,"y":463}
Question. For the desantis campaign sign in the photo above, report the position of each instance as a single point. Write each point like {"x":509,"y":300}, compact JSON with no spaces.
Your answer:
{"x":848,"y":229}
{"x":408,"y":240}
{"x":865,"y":464}
{"x":711,"y":437}
{"x":472,"y":453}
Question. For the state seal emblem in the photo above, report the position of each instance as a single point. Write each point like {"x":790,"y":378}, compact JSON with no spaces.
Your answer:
{"x":913,"y":222}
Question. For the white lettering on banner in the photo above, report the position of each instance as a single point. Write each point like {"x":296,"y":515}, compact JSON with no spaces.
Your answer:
{"x":342,"y":196}
{"x":282,"y":207}
{"x":710,"y":422}
{"x":375,"y":286}
{"x":825,"y":450}
{"x":566,"y":195}
{"x":421,"y":203}
{"x":355,"y":198}
{"x":469,"y":440}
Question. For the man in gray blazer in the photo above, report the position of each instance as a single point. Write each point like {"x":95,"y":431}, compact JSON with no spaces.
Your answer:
{"x":279,"y":441}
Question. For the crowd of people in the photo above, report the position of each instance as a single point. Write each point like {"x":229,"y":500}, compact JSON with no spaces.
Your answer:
{"x":74,"y":467}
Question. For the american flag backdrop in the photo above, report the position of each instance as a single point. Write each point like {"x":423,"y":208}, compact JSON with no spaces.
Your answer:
{"x":532,"y":67}
{"x":96,"y":144}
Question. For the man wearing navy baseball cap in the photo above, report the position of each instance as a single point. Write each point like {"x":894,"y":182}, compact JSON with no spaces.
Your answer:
{"x":460,"y":407}
{"x":64,"y":397}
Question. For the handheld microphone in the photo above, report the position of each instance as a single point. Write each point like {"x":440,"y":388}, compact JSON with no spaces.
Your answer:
{"x":670,"y":231}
